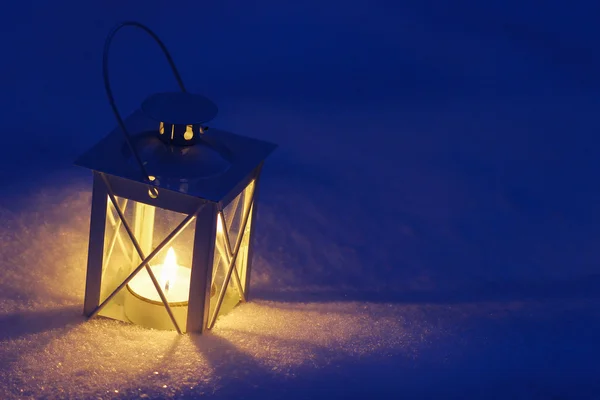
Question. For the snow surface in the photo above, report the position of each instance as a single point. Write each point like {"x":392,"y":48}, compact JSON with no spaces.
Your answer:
{"x":428,"y":227}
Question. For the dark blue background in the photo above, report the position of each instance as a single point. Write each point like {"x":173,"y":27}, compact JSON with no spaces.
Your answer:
{"x":431,"y":152}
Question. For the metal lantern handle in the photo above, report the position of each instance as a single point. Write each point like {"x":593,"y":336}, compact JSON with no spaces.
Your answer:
{"x":111,"y":98}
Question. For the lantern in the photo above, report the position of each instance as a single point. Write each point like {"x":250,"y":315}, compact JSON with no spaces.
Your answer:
{"x":173,"y":212}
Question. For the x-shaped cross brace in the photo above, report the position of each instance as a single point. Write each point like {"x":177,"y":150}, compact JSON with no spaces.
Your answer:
{"x":231,"y":259}
{"x":145,"y":259}
{"x":231,"y":256}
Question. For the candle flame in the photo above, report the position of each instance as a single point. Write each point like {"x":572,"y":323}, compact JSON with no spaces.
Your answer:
{"x":169,"y":269}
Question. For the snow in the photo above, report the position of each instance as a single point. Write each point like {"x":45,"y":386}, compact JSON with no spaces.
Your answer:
{"x":428,"y":227}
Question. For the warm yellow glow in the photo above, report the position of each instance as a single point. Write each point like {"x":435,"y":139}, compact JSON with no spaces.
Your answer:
{"x":169,"y":270}
{"x":219,"y":223}
{"x":189,"y":133}
{"x":220,"y":240}
{"x":161,"y":128}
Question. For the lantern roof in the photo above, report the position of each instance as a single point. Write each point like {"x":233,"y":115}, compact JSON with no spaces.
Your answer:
{"x":210,"y":169}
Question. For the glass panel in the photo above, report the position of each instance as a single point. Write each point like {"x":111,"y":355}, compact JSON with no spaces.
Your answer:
{"x":119,"y":255}
{"x":242,"y":259}
{"x":234,"y":212}
{"x":232,"y":216}
{"x":139,"y":301}
{"x":218,"y":276}
{"x":221,"y":264}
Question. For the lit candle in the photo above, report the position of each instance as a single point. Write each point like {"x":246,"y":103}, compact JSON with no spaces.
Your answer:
{"x":143,"y":305}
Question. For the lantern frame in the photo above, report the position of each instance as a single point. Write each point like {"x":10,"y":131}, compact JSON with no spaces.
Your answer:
{"x":202,"y":201}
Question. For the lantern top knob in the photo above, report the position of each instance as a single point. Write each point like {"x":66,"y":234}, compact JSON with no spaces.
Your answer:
{"x":180,"y":108}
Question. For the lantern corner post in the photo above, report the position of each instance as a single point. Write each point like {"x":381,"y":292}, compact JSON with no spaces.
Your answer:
{"x":254,"y":205}
{"x":93,"y":279}
{"x":202,"y":267}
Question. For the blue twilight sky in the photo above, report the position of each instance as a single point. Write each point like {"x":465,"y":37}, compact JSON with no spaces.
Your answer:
{"x":501,"y":95}
{"x":408,"y":58}
{"x":522,"y":74}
